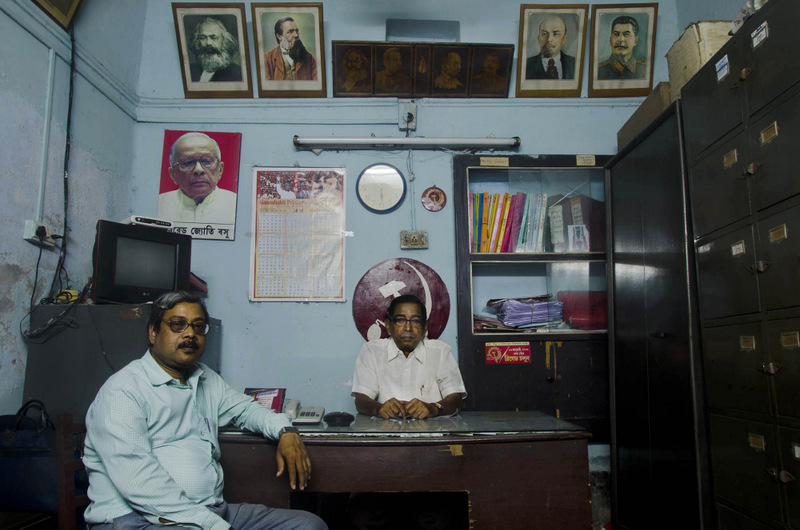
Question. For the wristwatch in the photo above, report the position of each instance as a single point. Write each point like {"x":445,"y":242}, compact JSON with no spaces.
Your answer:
{"x":438,"y":407}
{"x":287,"y":429}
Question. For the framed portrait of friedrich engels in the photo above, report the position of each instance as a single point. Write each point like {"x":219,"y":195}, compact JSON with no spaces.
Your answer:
{"x":551,"y":44}
{"x":290,"y":50}
{"x":622,"y":44}
{"x":213,"y":50}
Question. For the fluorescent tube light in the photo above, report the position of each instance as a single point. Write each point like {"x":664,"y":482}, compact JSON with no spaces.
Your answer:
{"x":388,"y":142}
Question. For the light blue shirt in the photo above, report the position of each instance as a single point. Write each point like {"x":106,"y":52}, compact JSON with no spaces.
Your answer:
{"x":151,"y":443}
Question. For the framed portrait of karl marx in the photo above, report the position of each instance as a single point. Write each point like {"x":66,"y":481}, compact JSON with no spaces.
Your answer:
{"x":551,"y":50}
{"x":290,"y":50}
{"x":213,"y":50}
{"x":622,"y":43}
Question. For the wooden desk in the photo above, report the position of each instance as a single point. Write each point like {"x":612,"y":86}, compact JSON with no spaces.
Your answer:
{"x":520,"y":470}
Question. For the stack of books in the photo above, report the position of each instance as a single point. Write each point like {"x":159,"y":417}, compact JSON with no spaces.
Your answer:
{"x":507,"y":223}
{"x":502,"y":222}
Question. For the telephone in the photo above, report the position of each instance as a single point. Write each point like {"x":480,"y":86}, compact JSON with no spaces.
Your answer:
{"x":303,"y":415}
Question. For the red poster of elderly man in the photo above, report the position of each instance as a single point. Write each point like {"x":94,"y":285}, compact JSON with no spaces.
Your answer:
{"x":199,"y":181}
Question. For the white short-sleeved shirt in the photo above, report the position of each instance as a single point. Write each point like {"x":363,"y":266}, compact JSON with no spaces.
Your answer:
{"x":218,"y":207}
{"x":429,"y":373}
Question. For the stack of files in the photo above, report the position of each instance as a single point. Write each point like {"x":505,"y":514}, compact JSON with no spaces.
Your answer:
{"x":514,"y":313}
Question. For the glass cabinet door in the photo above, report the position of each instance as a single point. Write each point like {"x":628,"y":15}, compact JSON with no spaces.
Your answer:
{"x":533,"y":235}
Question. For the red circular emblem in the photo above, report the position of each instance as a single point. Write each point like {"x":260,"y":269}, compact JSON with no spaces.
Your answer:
{"x":395,"y":277}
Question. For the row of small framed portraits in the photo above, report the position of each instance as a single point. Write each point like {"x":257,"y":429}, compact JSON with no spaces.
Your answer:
{"x":290,"y":55}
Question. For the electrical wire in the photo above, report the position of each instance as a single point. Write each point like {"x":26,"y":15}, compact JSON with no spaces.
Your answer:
{"x":36,"y":277}
{"x":54,"y":325}
{"x":67,"y":149}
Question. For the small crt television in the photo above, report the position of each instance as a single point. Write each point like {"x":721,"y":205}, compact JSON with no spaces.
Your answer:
{"x":135,"y":263}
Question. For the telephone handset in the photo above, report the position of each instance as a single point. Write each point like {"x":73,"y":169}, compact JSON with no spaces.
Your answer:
{"x":303,"y":415}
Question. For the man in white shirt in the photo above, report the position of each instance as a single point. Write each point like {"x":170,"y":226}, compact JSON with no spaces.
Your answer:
{"x":407,"y":375}
{"x":196,"y":166}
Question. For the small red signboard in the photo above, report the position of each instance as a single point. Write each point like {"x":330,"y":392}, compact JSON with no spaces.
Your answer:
{"x":508,"y":352}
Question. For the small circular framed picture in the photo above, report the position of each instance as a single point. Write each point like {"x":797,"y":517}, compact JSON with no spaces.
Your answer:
{"x":433,"y":199}
{"x":381,"y":188}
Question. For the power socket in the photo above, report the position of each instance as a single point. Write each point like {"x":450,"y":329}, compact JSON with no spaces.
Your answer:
{"x":29,"y":234}
{"x":413,"y":240}
{"x":407,"y":116}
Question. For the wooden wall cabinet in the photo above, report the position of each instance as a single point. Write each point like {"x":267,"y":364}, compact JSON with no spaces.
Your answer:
{"x":567,"y":372}
{"x":658,"y":425}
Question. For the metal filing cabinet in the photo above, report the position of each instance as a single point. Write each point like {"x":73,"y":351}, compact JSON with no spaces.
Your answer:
{"x":719,"y":179}
{"x":722,"y":262}
{"x":734,"y":357}
{"x":742,"y":117}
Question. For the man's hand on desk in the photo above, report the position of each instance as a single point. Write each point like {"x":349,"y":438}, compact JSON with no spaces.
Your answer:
{"x":392,"y":409}
{"x":421,"y":410}
{"x":291,"y":455}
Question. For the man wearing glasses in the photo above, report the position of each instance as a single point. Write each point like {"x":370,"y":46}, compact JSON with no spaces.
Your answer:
{"x":195,"y":167}
{"x":151,"y":448}
{"x":407,"y":375}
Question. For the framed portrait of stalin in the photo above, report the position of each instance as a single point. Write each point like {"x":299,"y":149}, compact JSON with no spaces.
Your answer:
{"x":213,"y":50}
{"x":622,"y":45}
{"x":290,"y":50}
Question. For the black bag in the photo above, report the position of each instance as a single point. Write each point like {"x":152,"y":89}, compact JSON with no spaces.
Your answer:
{"x":28,"y":465}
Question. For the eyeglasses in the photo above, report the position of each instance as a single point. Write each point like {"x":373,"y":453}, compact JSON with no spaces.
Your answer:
{"x":401,"y":322}
{"x":179,"y":326}
{"x":207,"y":162}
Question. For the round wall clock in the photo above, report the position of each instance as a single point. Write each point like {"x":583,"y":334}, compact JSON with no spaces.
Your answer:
{"x":433,"y":199}
{"x":381,"y":188}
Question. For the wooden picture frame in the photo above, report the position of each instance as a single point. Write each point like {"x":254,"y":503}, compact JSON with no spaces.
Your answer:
{"x":629,"y":71}
{"x":551,"y":33}
{"x":352,"y":68}
{"x":306,"y":27}
{"x":490,"y":70}
{"x":415,"y":69}
{"x":201,"y":28}
{"x":450,"y":70}
{"x":62,"y":12}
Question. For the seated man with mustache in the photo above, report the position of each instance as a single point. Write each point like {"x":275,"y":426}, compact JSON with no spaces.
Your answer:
{"x":622,"y":64}
{"x":214,"y":47}
{"x":290,"y":60}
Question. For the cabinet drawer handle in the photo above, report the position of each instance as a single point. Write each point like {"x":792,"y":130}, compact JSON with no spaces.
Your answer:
{"x":771,"y":368}
{"x":744,"y":74}
{"x":658,"y":335}
{"x":773,"y":473}
{"x":750,"y":170}
{"x":761,"y":266}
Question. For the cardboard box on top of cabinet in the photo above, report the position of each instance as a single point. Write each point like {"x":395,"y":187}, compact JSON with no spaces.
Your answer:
{"x":696,"y":45}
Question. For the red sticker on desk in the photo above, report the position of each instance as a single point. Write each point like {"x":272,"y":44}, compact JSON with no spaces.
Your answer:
{"x":508,"y":352}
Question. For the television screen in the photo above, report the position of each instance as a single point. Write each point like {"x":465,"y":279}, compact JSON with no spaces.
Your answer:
{"x":135,"y":263}
{"x":141,"y":262}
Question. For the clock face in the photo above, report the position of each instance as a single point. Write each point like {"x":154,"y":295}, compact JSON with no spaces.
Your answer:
{"x":381,"y":188}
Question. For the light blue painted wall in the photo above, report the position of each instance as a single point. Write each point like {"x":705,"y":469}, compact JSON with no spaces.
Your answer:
{"x":310,"y":348}
{"x":102,"y":136}
{"x":692,"y":11}
{"x":128,"y":91}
